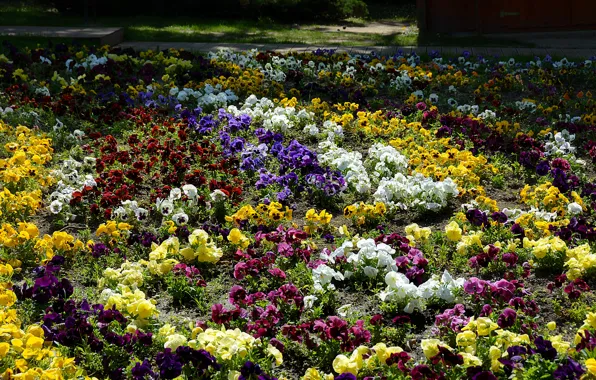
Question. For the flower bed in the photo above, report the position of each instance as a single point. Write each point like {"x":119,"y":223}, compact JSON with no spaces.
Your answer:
{"x":256,"y":215}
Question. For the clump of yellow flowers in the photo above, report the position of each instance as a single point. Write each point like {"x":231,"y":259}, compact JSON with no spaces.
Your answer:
{"x":270,"y":214}
{"x":202,"y":248}
{"x":228,"y":344}
{"x":19,"y":205}
{"x":363,"y":213}
{"x":237,"y":238}
{"x":536,"y":227}
{"x":415,"y":233}
{"x":453,"y":231}
{"x":362,"y":357}
{"x":22,"y":171}
{"x":580,"y":260}
{"x":131,"y":302}
{"x":160,"y":258}
{"x":462,"y":166}
{"x":470,"y":243}
{"x":113,"y":229}
{"x":547,"y":246}
{"x":549,"y":198}
{"x":25,"y":244}
{"x":25,"y":154}
{"x":316,"y":221}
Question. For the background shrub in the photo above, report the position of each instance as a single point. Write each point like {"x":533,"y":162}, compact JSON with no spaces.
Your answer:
{"x":279,"y":10}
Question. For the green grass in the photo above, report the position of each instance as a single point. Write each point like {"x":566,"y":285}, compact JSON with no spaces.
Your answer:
{"x":192,"y":29}
{"x":244,"y":32}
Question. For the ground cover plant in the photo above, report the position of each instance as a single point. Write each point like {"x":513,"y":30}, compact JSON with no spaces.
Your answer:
{"x":257,"y":215}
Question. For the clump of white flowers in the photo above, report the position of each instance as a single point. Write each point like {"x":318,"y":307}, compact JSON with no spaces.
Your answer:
{"x":280,"y":119}
{"x":349,"y":163}
{"x":129,"y":210}
{"x":90,"y":62}
{"x":386,"y":170}
{"x":245,"y":59}
{"x":367,"y":257}
{"x":401,"y":291}
{"x":559,"y":144}
{"x":401,"y":82}
{"x":180,"y":199}
{"x":208,"y":96}
{"x":418,"y":192}
{"x":330,"y":131}
{"x":384,"y":161}
{"x":72,"y":176}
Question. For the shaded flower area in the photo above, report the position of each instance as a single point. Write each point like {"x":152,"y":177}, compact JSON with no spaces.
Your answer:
{"x":257,"y":215}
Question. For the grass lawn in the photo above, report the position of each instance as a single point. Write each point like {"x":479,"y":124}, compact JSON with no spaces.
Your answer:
{"x":192,"y":29}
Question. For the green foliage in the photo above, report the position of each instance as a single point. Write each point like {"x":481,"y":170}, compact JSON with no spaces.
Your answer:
{"x":498,"y":181}
{"x":184,"y":291}
{"x":580,"y":308}
{"x":537,"y":368}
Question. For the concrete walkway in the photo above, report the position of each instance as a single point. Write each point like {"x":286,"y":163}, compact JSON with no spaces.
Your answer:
{"x":570,"y":44}
{"x":105,"y":36}
{"x":580,"y":39}
{"x":505,"y":52}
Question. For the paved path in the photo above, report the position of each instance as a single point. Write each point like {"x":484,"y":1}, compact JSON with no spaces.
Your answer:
{"x":384,"y":28}
{"x":105,"y":36}
{"x":580,"y":39}
{"x":505,"y":52}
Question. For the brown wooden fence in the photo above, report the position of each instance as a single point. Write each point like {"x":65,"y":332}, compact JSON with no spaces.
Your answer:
{"x":445,"y":16}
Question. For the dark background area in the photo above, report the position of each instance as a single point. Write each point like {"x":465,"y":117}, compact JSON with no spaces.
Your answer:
{"x":278,"y":10}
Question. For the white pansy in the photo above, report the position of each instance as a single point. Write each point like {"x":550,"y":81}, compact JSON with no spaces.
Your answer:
{"x":274,"y":118}
{"x":322,"y":276}
{"x":119,"y":213}
{"x":311,"y":129}
{"x":370,"y":271}
{"x":141,"y":213}
{"x":164,"y":206}
{"x":190,"y":191}
{"x":345,"y":311}
{"x":404,"y":192}
{"x":218,"y":196}
{"x":175,"y":194}
{"x":180,"y":218}
{"x":574,"y":208}
{"x":309,"y":301}
{"x":56,"y":207}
